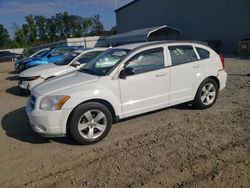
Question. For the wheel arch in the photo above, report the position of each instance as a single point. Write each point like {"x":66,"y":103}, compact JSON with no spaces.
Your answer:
{"x":215,"y":79}
{"x":209,"y":77}
{"x":115,"y":118}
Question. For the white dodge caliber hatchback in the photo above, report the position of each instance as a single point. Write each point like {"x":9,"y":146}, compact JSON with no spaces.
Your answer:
{"x":74,"y":61}
{"x":123,"y":82}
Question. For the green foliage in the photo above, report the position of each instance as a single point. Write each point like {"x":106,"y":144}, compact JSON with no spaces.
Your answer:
{"x":97,"y":26}
{"x":30,"y":29}
{"x":40,"y":29}
{"x":4,"y":37}
{"x":21,"y":38}
{"x":26,"y":52}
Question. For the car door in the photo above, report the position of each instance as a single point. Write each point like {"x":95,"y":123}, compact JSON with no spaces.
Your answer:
{"x":186,"y":73}
{"x":146,"y":87}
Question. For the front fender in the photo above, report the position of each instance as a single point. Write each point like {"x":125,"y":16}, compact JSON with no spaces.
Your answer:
{"x":95,"y":94}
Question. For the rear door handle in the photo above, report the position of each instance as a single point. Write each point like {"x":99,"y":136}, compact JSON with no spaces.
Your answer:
{"x":161,"y":74}
{"x":196,"y":66}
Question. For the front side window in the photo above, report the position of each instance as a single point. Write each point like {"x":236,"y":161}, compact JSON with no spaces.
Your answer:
{"x":146,"y":61}
{"x":182,"y":54}
{"x":103,"y":63}
{"x":204,"y":54}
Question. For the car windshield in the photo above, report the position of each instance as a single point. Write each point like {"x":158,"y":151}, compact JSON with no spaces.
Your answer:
{"x":67,"y":59}
{"x":40,"y":54}
{"x":103,"y":63}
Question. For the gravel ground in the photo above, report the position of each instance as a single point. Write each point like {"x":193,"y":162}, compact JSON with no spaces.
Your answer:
{"x":173,"y":147}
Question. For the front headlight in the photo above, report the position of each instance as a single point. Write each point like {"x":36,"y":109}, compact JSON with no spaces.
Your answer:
{"x":25,"y":64}
{"x":53,"y":102}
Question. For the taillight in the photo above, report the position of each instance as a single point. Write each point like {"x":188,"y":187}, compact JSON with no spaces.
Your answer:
{"x":222,"y":60}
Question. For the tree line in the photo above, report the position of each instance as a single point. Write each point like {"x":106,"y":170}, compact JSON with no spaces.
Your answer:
{"x":39,"y":29}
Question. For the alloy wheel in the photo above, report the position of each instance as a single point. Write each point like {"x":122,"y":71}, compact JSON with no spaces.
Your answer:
{"x":92,"y":124}
{"x":208,"y":93}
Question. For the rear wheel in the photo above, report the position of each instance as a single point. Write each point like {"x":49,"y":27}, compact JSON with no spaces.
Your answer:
{"x":90,"y":123}
{"x":206,"y":94}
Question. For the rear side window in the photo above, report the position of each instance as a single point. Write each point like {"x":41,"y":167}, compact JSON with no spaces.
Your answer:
{"x":182,"y":54}
{"x":204,"y":54}
{"x":88,"y":57}
{"x":148,"y":60}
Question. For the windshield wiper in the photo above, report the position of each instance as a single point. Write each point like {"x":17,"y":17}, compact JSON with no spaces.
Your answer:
{"x":89,"y":71}
{"x":59,"y":64}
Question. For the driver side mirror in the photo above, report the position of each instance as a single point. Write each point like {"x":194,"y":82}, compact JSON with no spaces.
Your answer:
{"x":128,"y":71}
{"x":49,"y":56}
{"x":75,"y":64}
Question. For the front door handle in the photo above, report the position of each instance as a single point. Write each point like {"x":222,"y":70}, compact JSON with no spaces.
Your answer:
{"x":161,"y":74}
{"x":196,"y":66}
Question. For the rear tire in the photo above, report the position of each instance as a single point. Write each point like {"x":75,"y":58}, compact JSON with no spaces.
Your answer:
{"x":206,"y":94}
{"x":90,"y":123}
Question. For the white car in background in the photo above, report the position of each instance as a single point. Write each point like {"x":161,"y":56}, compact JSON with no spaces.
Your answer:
{"x":34,"y":55}
{"x":74,"y":61}
{"x":126,"y":81}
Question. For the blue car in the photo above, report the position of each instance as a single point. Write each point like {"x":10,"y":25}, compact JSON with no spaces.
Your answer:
{"x":34,"y":55}
{"x":50,"y":56}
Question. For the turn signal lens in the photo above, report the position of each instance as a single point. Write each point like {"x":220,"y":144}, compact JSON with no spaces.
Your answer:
{"x":53,"y":102}
{"x":59,"y":105}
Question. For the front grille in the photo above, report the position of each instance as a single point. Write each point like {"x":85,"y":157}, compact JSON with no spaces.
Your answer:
{"x":32,"y":102}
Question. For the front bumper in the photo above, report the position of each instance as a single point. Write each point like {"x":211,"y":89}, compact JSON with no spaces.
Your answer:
{"x":20,"y":67}
{"x":48,"y":123}
{"x":16,"y":66}
{"x":28,"y":85}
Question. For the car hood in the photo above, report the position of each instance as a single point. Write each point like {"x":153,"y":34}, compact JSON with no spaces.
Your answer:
{"x":65,"y":82}
{"x":44,"y":71}
{"x":23,"y":60}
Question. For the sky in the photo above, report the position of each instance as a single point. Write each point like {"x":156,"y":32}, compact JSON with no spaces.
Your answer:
{"x":14,"y":11}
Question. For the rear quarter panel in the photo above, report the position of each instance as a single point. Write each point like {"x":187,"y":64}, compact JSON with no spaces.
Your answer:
{"x":211,"y":65}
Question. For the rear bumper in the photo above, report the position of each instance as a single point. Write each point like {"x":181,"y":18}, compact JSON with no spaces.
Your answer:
{"x":222,"y":76}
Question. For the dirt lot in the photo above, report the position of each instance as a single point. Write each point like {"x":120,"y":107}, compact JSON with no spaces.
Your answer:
{"x":174,"y":147}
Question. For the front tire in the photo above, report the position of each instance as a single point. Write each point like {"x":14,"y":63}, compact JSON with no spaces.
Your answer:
{"x":90,"y":123}
{"x":206,"y":94}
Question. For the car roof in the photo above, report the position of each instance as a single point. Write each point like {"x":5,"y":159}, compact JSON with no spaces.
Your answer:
{"x":90,"y":50}
{"x":63,"y":47}
{"x":130,"y":46}
{"x":145,"y":44}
